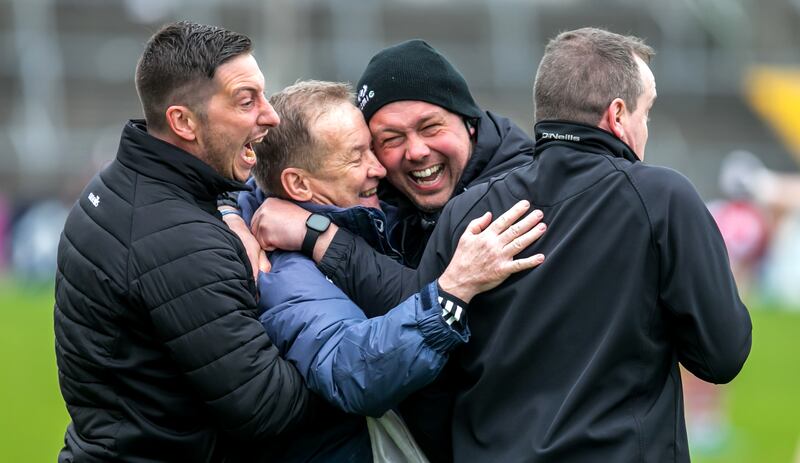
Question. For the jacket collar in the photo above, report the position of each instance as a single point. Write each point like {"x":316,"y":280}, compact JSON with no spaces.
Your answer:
{"x":498,"y":142}
{"x":373,"y":225}
{"x":594,"y":139}
{"x":155,"y":158}
{"x":369,"y":223}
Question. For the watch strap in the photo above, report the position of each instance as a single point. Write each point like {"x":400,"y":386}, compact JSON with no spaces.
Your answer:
{"x":309,"y":241}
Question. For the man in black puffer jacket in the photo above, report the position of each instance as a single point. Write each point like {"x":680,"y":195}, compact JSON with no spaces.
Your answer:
{"x":431,"y":136}
{"x":160,"y":354}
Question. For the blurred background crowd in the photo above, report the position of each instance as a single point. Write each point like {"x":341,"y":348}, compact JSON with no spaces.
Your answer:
{"x":727,"y":116}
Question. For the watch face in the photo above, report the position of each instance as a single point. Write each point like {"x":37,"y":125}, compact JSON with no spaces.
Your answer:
{"x":318,"y":222}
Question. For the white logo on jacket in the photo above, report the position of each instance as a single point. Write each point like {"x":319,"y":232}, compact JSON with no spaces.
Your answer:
{"x":94,"y":199}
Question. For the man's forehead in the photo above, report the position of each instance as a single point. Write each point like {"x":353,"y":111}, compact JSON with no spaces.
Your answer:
{"x":343,"y":126}
{"x":240,"y":73}
{"x":406,"y":113}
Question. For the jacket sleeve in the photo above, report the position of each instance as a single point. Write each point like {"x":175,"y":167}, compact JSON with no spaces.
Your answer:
{"x":250,"y":200}
{"x":373,"y":281}
{"x":202,"y":307}
{"x":363,"y":366}
{"x":710,"y":325}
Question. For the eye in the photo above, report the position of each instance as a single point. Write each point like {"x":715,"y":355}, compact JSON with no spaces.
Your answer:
{"x":247,"y":103}
{"x":391,"y":142}
{"x":430,"y":129}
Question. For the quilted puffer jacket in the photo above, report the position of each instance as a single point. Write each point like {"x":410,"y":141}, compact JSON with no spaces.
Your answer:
{"x":160,"y":353}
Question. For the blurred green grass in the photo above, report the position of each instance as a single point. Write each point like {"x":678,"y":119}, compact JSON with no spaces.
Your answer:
{"x":33,"y":417}
{"x":763,"y":401}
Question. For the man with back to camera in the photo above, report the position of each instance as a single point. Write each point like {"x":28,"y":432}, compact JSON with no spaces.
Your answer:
{"x":636,"y":281}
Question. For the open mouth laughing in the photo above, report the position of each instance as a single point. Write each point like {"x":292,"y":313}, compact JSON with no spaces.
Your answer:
{"x":368,"y":193}
{"x":249,"y":153}
{"x":427,"y":176}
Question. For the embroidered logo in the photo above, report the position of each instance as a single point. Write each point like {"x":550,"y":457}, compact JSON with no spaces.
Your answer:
{"x":364,"y":95}
{"x":558,"y":136}
{"x":94,"y":199}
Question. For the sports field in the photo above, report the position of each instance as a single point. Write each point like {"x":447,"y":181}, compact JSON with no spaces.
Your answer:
{"x":763,"y":402}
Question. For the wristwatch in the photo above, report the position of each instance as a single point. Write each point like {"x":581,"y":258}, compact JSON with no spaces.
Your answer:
{"x":316,"y":224}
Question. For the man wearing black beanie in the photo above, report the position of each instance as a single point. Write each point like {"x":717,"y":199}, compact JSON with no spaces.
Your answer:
{"x":434,"y":141}
{"x":431,"y":136}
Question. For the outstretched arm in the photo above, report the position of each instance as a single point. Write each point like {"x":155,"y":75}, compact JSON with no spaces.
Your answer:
{"x":485,"y":255}
{"x":363,"y":366}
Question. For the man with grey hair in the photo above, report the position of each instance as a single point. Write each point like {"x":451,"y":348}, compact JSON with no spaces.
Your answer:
{"x":579,"y":360}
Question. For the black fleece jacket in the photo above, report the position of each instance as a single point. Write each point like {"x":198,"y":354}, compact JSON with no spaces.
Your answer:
{"x":577,"y":360}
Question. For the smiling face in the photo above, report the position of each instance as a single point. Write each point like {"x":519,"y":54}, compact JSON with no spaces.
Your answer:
{"x":350,"y":173}
{"x":236,"y":116}
{"x":424,"y":148}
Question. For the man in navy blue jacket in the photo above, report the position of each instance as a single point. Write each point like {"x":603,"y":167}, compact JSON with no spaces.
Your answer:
{"x":320,"y":156}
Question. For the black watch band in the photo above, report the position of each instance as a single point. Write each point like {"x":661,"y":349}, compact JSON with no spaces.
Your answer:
{"x":316,"y":224}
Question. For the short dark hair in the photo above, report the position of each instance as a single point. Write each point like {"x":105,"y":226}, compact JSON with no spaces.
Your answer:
{"x":584,"y":70}
{"x":294,"y":143}
{"x":178,"y":66}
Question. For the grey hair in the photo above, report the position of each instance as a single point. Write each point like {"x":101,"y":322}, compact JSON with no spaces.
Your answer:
{"x":584,"y":70}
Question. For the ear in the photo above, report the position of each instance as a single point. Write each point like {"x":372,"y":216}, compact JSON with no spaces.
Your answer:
{"x":613,"y":117}
{"x":296,"y":183}
{"x":182,"y":122}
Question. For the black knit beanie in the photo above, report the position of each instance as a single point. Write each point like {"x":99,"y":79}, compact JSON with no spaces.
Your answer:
{"x":413,"y":70}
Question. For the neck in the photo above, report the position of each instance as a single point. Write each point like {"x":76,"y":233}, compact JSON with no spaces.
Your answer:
{"x":175,"y":140}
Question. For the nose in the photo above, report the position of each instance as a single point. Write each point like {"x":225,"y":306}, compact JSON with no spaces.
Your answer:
{"x":416,"y":148}
{"x":376,"y":169}
{"x":268,"y":117}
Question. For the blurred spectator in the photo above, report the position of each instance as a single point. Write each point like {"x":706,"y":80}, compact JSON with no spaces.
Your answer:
{"x":766,"y":203}
{"x":707,"y":422}
{"x":781,"y":273}
{"x":744,"y":176}
{"x":746,"y":232}
{"x":34,"y":241}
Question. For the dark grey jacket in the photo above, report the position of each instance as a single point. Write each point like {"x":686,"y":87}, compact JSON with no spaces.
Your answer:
{"x":577,"y":360}
{"x":160,"y":354}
